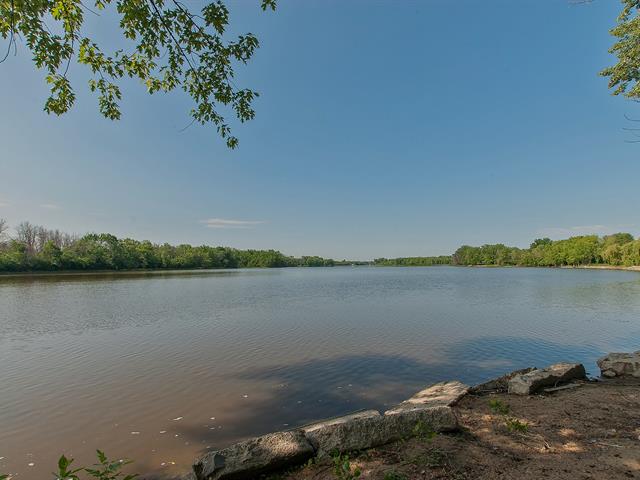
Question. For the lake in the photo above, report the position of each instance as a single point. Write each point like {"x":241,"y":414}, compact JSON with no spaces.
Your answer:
{"x":161,"y":367}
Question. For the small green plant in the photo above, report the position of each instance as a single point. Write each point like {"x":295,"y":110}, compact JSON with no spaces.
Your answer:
{"x":515,"y":425}
{"x":343,"y":469}
{"x":498,"y":406}
{"x":109,"y":470}
{"x":104,"y":470}
{"x":423,"y":432}
{"x":64,"y":469}
{"x":394,"y":475}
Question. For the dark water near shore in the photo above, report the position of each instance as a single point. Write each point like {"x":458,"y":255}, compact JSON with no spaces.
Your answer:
{"x":161,"y":367}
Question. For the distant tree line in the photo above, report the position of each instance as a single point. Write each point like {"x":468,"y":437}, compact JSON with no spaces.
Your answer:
{"x":413,"y":261}
{"x":36,"y":248}
{"x":619,"y":249}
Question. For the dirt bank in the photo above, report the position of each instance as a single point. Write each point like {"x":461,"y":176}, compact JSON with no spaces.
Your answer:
{"x":607,"y":267}
{"x":590,"y":432}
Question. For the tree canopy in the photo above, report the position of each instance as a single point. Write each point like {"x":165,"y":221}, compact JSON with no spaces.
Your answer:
{"x":618,"y":249}
{"x":36,"y":248}
{"x":171,"y":47}
{"x":624,"y":75}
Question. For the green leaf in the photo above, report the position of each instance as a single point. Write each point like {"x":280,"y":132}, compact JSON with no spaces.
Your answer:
{"x":168,"y":46}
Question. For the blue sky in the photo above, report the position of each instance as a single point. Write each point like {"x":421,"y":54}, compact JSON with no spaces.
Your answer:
{"x":383,"y":129}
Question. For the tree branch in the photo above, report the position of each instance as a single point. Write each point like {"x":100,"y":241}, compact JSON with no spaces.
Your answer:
{"x":11,"y":33}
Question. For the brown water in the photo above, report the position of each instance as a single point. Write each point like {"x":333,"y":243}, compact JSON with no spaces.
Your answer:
{"x":160,"y":368}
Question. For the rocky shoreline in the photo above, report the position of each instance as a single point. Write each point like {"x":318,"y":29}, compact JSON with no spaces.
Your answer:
{"x":430,"y":411}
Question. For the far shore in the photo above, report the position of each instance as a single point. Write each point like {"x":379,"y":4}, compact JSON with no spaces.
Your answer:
{"x":203,"y":271}
{"x":155,"y":271}
{"x":635,"y":268}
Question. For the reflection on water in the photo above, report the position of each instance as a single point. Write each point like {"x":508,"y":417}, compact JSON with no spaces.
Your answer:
{"x":160,"y":367}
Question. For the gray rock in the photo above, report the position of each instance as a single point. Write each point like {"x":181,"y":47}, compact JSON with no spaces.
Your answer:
{"x":500,"y":384}
{"x":255,"y":456}
{"x":187,"y":476}
{"x":357,"y":431}
{"x":620,"y":365}
{"x":369,"y":429}
{"x":528,"y":383}
{"x":438,"y":394}
{"x":410,"y":421}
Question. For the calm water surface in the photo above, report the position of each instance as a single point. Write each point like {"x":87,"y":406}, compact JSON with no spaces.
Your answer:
{"x":160,"y":368}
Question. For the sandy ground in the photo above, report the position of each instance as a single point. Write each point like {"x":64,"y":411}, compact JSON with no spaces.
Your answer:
{"x":590,"y":432}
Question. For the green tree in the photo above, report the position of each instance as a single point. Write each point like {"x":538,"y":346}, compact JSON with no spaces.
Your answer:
{"x":631,"y":253}
{"x":51,"y":255}
{"x":612,"y":254}
{"x":169,"y":46}
{"x":14,"y":258}
{"x":624,"y":75}
{"x":617,"y":239}
{"x":541,"y":242}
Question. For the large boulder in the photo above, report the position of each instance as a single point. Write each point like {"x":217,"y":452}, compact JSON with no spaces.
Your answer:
{"x":439,"y":394}
{"x":498,"y":385}
{"x":620,"y":365}
{"x":255,"y":456}
{"x":529,"y":383}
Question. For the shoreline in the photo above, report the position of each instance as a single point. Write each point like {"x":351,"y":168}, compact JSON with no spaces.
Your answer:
{"x":531,"y":423}
{"x":202,"y":271}
{"x":553,"y":423}
{"x":141,"y":271}
{"x":634,"y":268}
{"x":585,"y":432}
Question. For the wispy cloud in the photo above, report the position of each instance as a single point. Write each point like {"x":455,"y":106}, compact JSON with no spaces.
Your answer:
{"x":3,"y":204}
{"x":50,"y":206}
{"x":227,"y":223}
{"x":563,"y":232}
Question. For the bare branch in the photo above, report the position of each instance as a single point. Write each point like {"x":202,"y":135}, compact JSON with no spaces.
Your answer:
{"x":11,"y":32}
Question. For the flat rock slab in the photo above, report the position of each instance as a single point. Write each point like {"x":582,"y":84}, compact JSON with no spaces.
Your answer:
{"x":620,"y":365}
{"x":439,"y":394}
{"x":535,"y":380}
{"x":357,"y":431}
{"x":369,"y":429}
{"x":500,"y":384}
{"x":411,"y":421}
{"x":255,"y":456}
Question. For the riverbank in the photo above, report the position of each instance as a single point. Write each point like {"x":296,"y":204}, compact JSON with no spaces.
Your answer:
{"x":204,"y":271}
{"x":635,"y":268}
{"x":553,"y":422}
{"x":150,"y":271}
{"x":589,"y":432}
